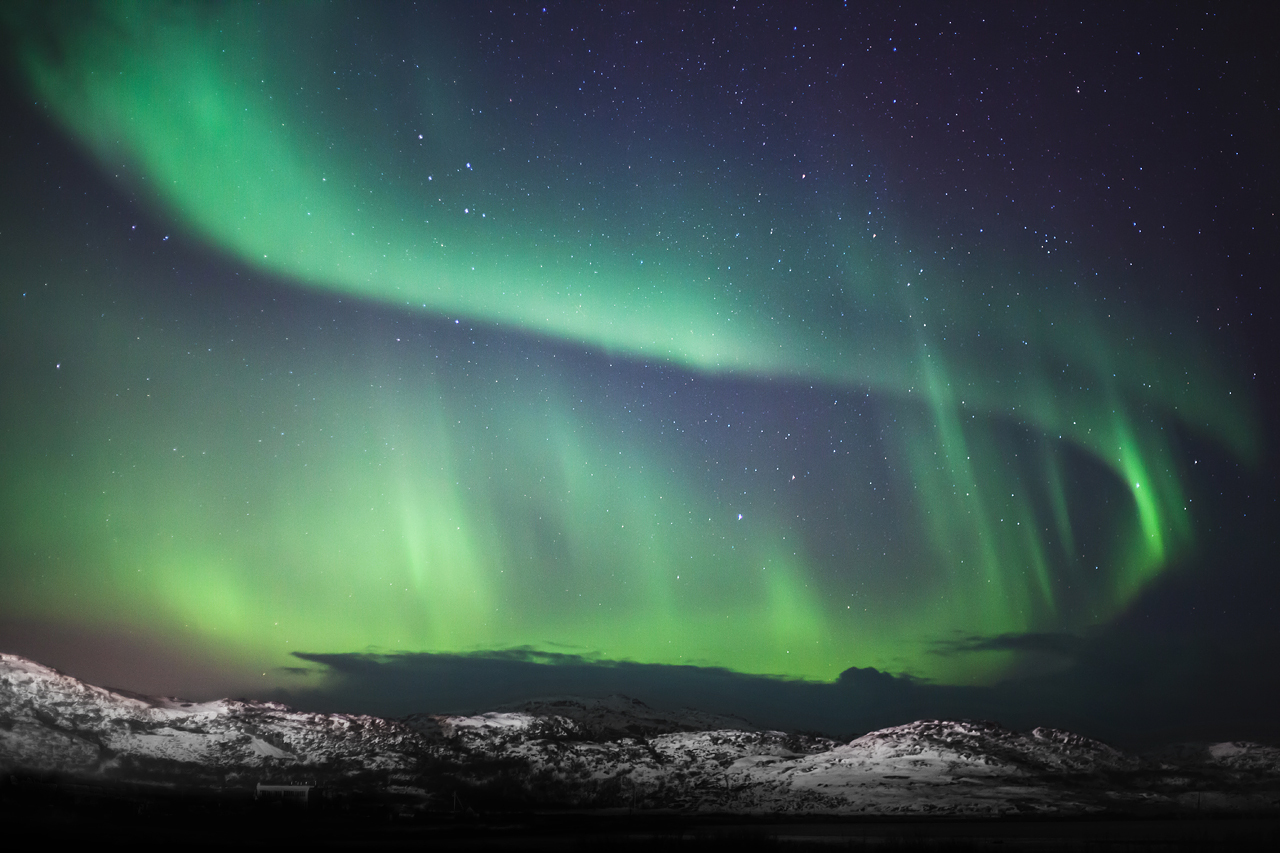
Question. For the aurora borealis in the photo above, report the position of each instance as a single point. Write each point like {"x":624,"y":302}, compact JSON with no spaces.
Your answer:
{"x":664,"y":338}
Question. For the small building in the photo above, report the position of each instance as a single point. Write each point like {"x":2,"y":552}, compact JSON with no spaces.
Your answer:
{"x":284,"y":793}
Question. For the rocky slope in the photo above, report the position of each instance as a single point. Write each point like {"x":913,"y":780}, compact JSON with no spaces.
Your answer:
{"x":603,"y":754}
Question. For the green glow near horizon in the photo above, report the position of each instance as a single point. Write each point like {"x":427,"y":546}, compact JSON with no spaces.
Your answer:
{"x":242,"y":152}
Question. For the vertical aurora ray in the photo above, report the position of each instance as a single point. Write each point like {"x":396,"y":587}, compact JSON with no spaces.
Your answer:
{"x":417,"y":502}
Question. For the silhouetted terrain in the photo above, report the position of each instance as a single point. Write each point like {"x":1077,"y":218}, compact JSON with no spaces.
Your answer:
{"x":561,"y":769}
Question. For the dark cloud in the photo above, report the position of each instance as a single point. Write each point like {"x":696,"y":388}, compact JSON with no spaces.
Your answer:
{"x":1062,"y":644}
{"x":396,"y":684}
{"x":1133,"y":690}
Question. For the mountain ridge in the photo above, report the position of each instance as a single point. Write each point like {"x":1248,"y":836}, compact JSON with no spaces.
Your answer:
{"x":607,"y":753}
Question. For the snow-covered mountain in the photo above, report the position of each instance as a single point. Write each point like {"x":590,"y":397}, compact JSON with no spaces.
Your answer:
{"x":603,"y":754}
{"x":622,"y":716}
{"x":52,"y":723}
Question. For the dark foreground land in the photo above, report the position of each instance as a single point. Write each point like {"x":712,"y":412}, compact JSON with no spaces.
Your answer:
{"x":71,"y":813}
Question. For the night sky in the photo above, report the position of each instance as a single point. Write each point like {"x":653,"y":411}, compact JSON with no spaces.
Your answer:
{"x":421,"y":356}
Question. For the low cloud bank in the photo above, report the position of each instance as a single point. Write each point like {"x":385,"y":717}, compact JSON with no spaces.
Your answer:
{"x":1132,"y":691}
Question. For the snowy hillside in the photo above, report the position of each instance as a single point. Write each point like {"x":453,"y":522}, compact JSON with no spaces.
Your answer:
{"x":50,"y":721}
{"x":606,"y":753}
{"x":622,"y":716}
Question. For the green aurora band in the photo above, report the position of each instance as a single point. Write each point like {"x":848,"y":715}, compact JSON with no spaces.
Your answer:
{"x":399,"y":501}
